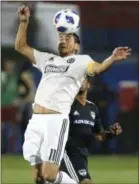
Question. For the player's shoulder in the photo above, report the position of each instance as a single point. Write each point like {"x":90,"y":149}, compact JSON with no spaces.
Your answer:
{"x":42,"y":53}
{"x":93,"y":106}
{"x":91,"y":103}
{"x":84,"y":56}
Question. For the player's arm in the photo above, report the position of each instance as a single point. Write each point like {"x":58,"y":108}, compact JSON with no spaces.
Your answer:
{"x":119,"y":53}
{"x":113,"y":131}
{"x":21,"y":38}
{"x":100,"y":133}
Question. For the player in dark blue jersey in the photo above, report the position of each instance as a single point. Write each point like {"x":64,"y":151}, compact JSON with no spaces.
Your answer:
{"x":85,"y":123}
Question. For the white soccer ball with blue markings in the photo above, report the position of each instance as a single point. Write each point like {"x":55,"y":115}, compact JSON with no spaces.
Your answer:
{"x":67,"y":21}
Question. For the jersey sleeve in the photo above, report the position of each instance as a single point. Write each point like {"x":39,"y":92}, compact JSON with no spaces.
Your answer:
{"x":88,"y":63}
{"x":98,"y":123}
{"x":40,"y":59}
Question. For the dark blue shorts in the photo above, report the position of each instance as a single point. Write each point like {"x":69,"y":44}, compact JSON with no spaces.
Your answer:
{"x":76,"y":166}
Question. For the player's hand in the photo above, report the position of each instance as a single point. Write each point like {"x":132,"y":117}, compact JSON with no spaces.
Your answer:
{"x":121,"y":53}
{"x":24,"y":13}
{"x":116,"y":129}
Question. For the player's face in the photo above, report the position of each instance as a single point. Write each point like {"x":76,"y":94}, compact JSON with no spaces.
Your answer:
{"x":67,"y":45}
{"x":85,"y":86}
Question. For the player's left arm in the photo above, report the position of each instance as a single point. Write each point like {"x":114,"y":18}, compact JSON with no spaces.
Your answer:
{"x":118,"y":54}
{"x":100,"y":133}
{"x":113,"y":131}
{"x":98,"y":128}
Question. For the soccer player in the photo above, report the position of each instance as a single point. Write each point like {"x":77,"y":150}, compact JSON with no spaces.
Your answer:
{"x":62,"y":76}
{"x":85,"y":123}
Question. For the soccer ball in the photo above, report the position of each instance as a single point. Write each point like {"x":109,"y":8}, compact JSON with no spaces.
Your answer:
{"x":67,"y":21}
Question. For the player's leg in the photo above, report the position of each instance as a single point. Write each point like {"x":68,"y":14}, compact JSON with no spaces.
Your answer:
{"x":37,"y":174}
{"x":58,"y":177}
{"x":52,"y":153}
{"x":79,"y":163}
{"x":31,"y":147}
{"x":66,"y":166}
{"x":86,"y":181}
{"x":82,"y":170}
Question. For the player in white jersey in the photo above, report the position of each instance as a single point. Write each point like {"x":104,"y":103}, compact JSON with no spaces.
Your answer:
{"x":62,"y":77}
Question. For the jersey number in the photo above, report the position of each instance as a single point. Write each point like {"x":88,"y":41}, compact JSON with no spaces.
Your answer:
{"x":52,"y":155}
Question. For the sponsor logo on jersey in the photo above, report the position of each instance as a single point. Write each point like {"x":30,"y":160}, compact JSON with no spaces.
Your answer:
{"x":71,"y":60}
{"x":56,"y":69}
{"x":93,"y":115}
{"x":82,"y":172}
{"x":86,"y":122}
{"x":76,"y":113}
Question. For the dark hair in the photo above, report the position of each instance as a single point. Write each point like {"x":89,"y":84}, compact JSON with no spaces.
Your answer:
{"x":88,"y":78}
{"x":76,"y":38}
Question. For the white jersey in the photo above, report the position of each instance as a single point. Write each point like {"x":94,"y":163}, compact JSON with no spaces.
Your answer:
{"x":61,"y":79}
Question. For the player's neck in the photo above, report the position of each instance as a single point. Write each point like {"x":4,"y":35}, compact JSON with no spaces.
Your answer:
{"x":82,"y":98}
{"x":66,"y":54}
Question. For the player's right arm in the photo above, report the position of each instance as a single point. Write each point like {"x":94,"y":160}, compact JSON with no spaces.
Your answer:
{"x":21,"y":38}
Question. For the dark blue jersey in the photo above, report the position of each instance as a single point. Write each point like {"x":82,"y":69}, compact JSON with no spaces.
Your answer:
{"x":84,"y":122}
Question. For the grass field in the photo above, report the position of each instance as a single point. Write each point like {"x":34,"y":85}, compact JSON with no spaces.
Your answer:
{"x":103,"y":169}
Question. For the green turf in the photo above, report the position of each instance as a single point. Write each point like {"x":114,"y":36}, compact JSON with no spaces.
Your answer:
{"x":103,"y":169}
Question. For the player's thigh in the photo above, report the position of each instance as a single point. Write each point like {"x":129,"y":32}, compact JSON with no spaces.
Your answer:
{"x":52,"y":152}
{"x":81,"y":167}
{"x":32,"y":143}
{"x":54,"y":142}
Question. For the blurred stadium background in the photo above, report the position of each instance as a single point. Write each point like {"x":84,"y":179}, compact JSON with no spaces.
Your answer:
{"x":104,"y":25}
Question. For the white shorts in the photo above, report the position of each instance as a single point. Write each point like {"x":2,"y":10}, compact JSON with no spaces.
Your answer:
{"x":45,"y":138}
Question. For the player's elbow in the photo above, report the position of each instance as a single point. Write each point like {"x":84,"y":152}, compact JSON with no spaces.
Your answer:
{"x":20,"y":45}
{"x":16,"y":46}
{"x":99,"y":138}
{"x":22,"y":49}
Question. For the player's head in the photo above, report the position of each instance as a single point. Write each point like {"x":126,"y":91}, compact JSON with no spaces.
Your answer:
{"x":68,"y":44}
{"x":9,"y":65}
{"x":85,"y":85}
